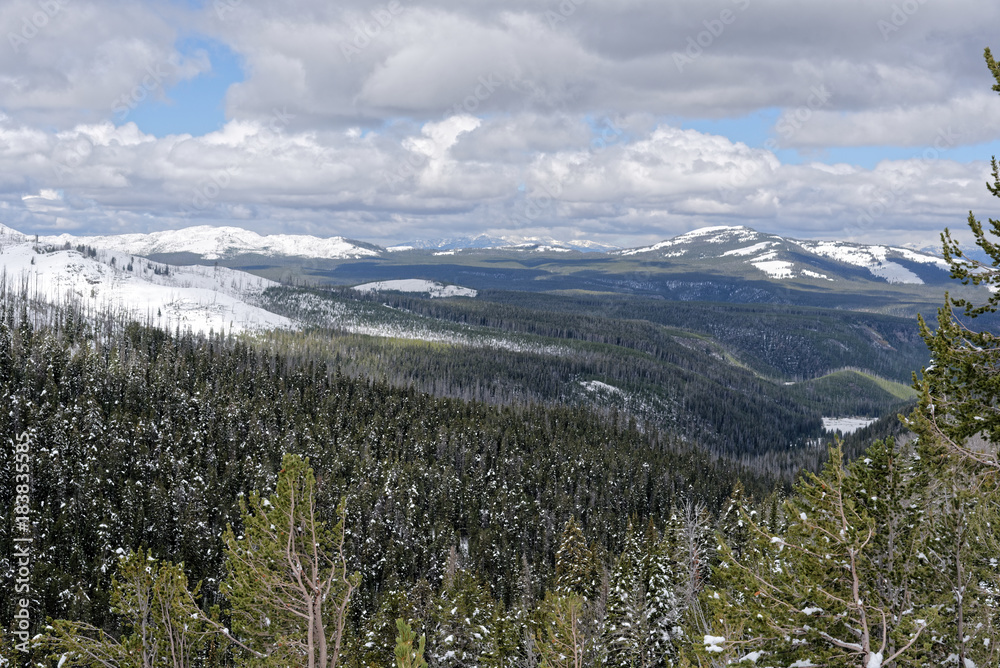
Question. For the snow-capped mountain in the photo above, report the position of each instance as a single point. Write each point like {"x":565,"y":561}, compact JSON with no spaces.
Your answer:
{"x":486,"y":242}
{"x":197,"y":298}
{"x":783,"y":258}
{"x":212,"y":243}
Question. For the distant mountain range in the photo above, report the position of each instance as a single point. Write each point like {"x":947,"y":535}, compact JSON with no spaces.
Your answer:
{"x":484,"y":241}
{"x":733,"y":264}
{"x":772,"y":256}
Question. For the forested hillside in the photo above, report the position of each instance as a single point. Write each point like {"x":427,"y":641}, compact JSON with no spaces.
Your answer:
{"x":709,"y":387}
{"x":144,"y":439}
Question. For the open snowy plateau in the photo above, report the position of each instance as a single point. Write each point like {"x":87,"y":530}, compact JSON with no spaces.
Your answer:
{"x":196,"y":298}
{"x":212,"y":243}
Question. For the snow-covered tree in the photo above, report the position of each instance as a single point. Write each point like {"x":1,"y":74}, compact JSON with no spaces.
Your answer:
{"x":462,"y":623}
{"x":627,"y":627}
{"x":576,"y":568}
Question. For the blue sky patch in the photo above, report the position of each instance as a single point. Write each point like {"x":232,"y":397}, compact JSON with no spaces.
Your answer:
{"x":192,"y":106}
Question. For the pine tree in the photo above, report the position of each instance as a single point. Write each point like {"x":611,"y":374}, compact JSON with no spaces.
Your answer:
{"x":695,"y":549}
{"x":378,"y":631}
{"x":957,"y":520}
{"x":562,"y":641}
{"x":164,"y":624}
{"x":663,"y":601}
{"x":730,"y":523}
{"x":627,"y":628}
{"x":287,"y":577}
{"x":830,"y":588}
{"x":462,"y":621}
{"x":408,"y":656}
{"x":959,"y":389}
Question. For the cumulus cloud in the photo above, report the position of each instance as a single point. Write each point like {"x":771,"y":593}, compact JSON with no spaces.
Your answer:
{"x":402,"y":119}
{"x":67,"y":61}
{"x":618,"y":189}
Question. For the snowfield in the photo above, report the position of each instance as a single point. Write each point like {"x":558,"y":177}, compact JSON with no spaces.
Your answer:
{"x":598,"y":386}
{"x":845,"y":425}
{"x":874,"y":259}
{"x":430,"y":288}
{"x":190,"y":298}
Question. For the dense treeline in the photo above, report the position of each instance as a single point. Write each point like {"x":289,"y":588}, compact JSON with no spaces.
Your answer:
{"x":785,"y":342}
{"x":681,"y":382}
{"x":144,"y":439}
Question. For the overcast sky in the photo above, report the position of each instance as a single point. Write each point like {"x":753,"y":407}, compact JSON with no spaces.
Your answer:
{"x":622,"y":121}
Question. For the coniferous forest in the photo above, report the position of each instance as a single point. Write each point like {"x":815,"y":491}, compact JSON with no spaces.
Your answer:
{"x":257,"y":501}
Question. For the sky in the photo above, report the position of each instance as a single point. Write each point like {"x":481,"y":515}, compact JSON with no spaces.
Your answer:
{"x":619,"y":121}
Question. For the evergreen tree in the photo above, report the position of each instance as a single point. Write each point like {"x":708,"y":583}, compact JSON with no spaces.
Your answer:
{"x":959,"y":389}
{"x":378,"y":631}
{"x":627,"y":628}
{"x":462,"y":622}
{"x":287,"y":577}
{"x":408,"y":656}
{"x":825,"y":590}
{"x":563,"y":640}
{"x":163,"y":622}
{"x":663,"y":601}
{"x":576,"y":569}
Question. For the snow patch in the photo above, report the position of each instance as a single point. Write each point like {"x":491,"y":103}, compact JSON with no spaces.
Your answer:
{"x":893,"y":272}
{"x":714,"y":643}
{"x":750,"y":250}
{"x":431,"y":288}
{"x":713,"y":235}
{"x":845,"y":425}
{"x":598,"y":386}
{"x":775,"y":268}
{"x":873,"y":258}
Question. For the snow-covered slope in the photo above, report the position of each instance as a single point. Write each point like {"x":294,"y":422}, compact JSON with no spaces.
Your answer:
{"x":212,"y":243}
{"x":430,"y":288}
{"x":195,"y":298}
{"x":705,"y":235}
{"x":484,"y":242}
{"x":879,"y":260}
{"x":781,"y":258}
